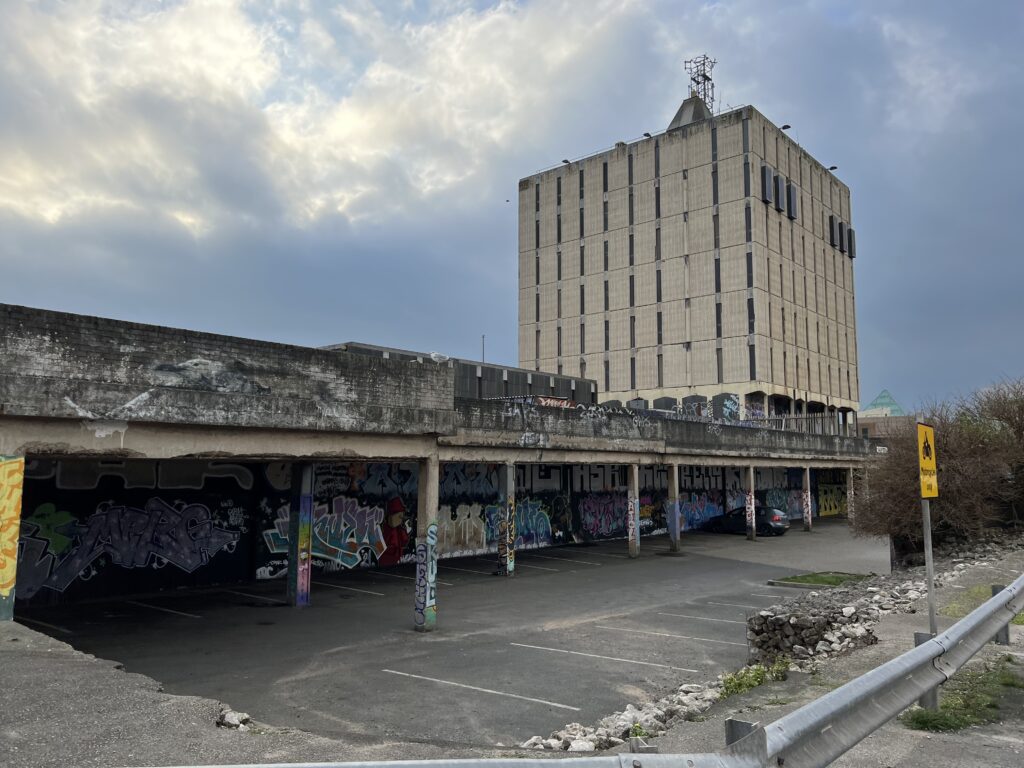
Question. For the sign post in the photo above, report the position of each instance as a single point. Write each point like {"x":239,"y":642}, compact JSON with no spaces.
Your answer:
{"x":929,"y":490}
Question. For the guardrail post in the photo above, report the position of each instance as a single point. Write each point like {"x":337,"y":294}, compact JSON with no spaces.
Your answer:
{"x":737,"y":729}
{"x":930,"y":700}
{"x":1003,"y":635}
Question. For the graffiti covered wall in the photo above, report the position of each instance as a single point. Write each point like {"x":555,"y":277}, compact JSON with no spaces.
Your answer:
{"x":11,"y":481}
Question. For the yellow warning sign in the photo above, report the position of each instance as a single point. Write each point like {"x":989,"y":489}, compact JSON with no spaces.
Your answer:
{"x":926,"y":459}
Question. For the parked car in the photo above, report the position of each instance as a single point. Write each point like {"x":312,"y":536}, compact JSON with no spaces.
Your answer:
{"x":770,"y":521}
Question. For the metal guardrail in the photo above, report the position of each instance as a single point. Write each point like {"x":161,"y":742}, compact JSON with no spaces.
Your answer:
{"x":809,"y":737}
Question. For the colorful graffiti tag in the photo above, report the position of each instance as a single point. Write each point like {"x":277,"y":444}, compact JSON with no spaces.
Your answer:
{"x":348,"y":535}
{"x":426,"y":580}
{"x":831,"y":500}
{"x":603,"y":514}
{"x":12,"y":472}
{"x":698,"y":508}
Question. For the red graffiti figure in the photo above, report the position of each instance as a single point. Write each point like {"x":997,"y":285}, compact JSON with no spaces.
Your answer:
{"x":394,"y":532}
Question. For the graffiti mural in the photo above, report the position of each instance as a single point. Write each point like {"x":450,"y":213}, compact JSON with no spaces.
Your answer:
{"x":12,"y":472}
{"x":160,"y":534}
{"x":462,"y":528}
{"x":603,"y":514}
{"x":831,"y":500}
{"x":697,"y":508}
{"x":345,"y":535}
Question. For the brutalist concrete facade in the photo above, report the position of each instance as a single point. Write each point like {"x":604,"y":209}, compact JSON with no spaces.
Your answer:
{"x":715,"y":257}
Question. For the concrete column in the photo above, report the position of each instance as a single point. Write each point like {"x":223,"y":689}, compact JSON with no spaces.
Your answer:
{"x":12,"y":478}
{"x":425,"y":618}
{"x":633,"y":511}
{"x":675,"y":521}
{"x":300,"y":535}
{"x":849,"y":495}
{"x":807,"y":499}
{"x":507,"y":521}
{"x":751,"y":506}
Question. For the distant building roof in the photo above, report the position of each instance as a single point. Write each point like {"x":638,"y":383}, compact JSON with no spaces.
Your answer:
{"x":883,"y":405}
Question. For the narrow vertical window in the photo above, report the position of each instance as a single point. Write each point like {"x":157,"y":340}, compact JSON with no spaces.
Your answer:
{"x":629,"y":162}
{"x":604,"y":216}
{"x":632,"y":291}
{"x":558,"y":265}
{"x":661,"y":372}
{"x":558,"y":302}
{"x":714,"y":142}
{"x":746,"y":134}
{"x":750,"y":269}
{"x":583,"y":305}
{"x":605,"y":295}
{"x":657,"y":285}
{"x":536,"y":345}
{"x":750,"y":315}
{"x":605,"y":255}
{"x":607,"y":337}
{"x":536,"y":269}
{"x":714,"y":225}
{"x":607,"y":378}
{"x":536,"y":307}
{"x":746,"y":178}
{"x":581,"y":223}
{"x":632,"y":373}
{"x":657,"y":244}
{"x":632,"y":331}
{"x":536,"y":195}
{"x":659,"y":327}
{"x":718,"y":275}
{"x":581,"y":183}
{"x":753,"y":362}
{"x":631,"y":250}
{"x":657,"y":202}
{"x":536,"y":234}
{"x":558,"y":337}
{"x":748,"y":224}
{"x":657,"y":159}
{"x":581,"y":261}
{"x":718,"y":319}
{"x":558,"y":228}
{"x":719,"y":366}
{"x":558,"y":193}
{"x":583,"y":341}
{"x":714,"y":186}
{"x":631,"y":207}
{"x":604,"y":176}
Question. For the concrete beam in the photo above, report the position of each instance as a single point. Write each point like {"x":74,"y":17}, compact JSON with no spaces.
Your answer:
{"x":12,"y":478}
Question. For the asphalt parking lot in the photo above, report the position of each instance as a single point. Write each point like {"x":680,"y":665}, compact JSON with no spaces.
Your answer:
{"x":581,"y":631}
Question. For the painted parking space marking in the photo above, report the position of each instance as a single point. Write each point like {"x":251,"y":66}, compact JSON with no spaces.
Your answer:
{"x":566,"y":559}
{"x":23,"y":619}
{"x":669,"y":634}
{"x":781,"y":597}
{"x":255,"y":597}
{"x":520,"y":564}
{"x":465,"y":570}
{"x":483,"y":690}
{"x":350,"y":589}
{"x":736,"y":605}
{"x":165,"y":610}
{"x":607,"y":554}
{"x":408,"y":578}
{"x":702,"y":618}
{"x":606,"y":658}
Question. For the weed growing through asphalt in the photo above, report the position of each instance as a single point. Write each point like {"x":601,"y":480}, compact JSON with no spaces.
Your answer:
{"x":971,"y":697}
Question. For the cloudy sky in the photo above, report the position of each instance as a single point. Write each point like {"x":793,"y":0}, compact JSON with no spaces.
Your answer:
{"x":317,"y":172}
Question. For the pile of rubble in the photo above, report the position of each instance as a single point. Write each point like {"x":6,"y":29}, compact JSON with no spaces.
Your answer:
{"x":650,"y":719}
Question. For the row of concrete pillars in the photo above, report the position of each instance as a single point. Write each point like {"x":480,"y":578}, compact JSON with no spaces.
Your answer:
{"x":300,"y":535}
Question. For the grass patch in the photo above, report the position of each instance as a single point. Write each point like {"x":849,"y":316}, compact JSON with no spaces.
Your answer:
{"x":825,"y":578}
{"x":750,"y":677}
{"x":971,"y":697}
{"x":966,"y":600}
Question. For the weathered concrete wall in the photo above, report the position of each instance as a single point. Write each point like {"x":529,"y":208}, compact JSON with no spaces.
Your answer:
{"x":594,"y":428}
{"x":108,"y":372}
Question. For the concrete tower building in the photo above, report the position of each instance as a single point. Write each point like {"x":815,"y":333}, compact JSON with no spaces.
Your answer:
{"x":716,"y":257}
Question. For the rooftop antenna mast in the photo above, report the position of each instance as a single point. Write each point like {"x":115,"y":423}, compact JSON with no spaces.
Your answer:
{"x":701,"y":84}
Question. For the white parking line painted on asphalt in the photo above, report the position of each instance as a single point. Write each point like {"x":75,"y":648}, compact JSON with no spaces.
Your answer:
{"x":350,"y":589}
{"x":255,"y":597}
{"x":566,"y":559}
{"x":483,"y":690}
{"x":668,"y":634}
{"x":702,"y":618}
{"x":464,"y":570}
{"x":606,"y":554}
{"x":736,"y":605}
{"x":536,"y":567}
{"x":407,"y":578}
{"x":783,"y":597}
{"x":165,"y":610}
{"x":24,"y":620}
{"x":607,"y":658}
